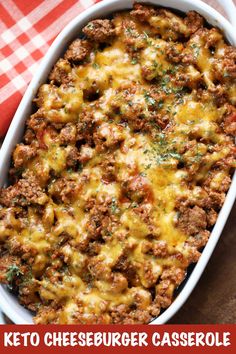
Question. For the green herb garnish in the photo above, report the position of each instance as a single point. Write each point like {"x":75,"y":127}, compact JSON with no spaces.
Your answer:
{"x":134,"y":61}
{"x":96,"y":66}
{"x":12,"y":273}
{"x":114,"y":207}
{"x":150,"y":100}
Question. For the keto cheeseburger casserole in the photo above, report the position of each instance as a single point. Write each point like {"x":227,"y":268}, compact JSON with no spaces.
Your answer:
{"x":122,"y":170}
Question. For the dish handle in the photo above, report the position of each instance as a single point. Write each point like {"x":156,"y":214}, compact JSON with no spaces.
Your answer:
{"x":230,"y":9}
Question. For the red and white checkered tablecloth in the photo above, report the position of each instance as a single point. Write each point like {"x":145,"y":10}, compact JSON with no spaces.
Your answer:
{"x":27,"y":28}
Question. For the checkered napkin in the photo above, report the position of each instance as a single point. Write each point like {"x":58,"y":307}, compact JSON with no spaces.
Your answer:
{"x":27,"y":29}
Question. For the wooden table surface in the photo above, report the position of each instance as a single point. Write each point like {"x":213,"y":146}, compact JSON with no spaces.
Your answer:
{"x":214,"y":298}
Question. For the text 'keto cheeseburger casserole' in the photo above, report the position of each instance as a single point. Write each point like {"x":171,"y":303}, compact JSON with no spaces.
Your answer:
{"x":122,"y":171}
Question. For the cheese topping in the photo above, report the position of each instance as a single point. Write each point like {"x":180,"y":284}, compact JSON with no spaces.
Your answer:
{"x":127,"y":148}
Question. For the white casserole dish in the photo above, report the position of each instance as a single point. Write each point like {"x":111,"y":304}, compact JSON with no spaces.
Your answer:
{"x":8,"y":302}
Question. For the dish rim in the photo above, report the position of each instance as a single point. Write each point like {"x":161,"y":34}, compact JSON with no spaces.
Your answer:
{"x":9,"y":303}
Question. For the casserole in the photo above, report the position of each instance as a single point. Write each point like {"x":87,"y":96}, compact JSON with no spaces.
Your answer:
{"x":24,"y":110}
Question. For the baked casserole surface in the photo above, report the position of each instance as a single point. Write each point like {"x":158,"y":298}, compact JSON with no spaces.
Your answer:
{"x":122,"y":170}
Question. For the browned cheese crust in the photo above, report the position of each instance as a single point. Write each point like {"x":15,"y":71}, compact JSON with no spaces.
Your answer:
{"x":123,"y":168}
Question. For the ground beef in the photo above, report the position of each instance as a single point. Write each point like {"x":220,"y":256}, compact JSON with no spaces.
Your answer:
{"x":119,"y":283}
{"x":193,"y":254}
{"x":25,"y":192}
{"x":137,"y":189}
{"x":158,"y":249}
{"x":78,"y":50}
{"x":148,"y":72}
{"x":60,"y":72}
{"x":220,"y":94}
{"x":221,"y":187}
{"x":29,"y":136}
{"x":211,"y":217}
{"x":188,"y":57}
{"x":123,"y":315}
{"x":8,"y":262}
{"x":109,"y":169}
{"x":154,"y":309}
{"x":37,"y":122}
{"x":118,"y":313}
{"x":85,"y":127}
{"x":127,"y":268}
{"x":164,"y":291}
{"x":25,"y":252}
{"x":225,"y":66}
{"x":144,"y":213}
{"x":46,"y":315}
{"x":98,"y":269}
{"x":185,"y":79}
{"x":64,"y":190}
{"x":214,"y":200}
{"x":85,"y":154}
{"x":108,"y":136}
{"x":72,"y":157}
{"x":22,"y":154}
{"x":28,"y":294}
{"x":212,"y":37}
{"x":93,"y":249}
{"x":176,"y":275}
{"x":141,"y":117}
{"x":133,"y":114}
{"x":230,"y":53}
{"x":68,"y":134}
{"x":209,"y":200}
{"x":150,"y":277}
{"x":192,"y":221}
{"x":137,"y":317}
{"x":142,"y":12}
{"x":173,"y":53}
{"x":100,"y":31}
{"x":101,"y":216}
{"x":230,"y":124}
{"x":133,"y":40}
{"x":199,"y":240}
{"x":193,"y":21}
{"x":229,"y":161}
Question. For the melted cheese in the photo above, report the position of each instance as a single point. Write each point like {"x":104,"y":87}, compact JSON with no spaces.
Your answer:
{"x":139,"y":203}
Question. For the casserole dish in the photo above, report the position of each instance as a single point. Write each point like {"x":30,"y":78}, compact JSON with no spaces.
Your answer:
{"x":1,"y":318}
{"x":8,"y":302}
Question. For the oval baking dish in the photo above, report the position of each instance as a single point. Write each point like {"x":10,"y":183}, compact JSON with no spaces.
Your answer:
{"x":8,"y":302}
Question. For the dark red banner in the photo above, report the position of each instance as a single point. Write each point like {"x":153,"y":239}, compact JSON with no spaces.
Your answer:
{"x":118,"y":339}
